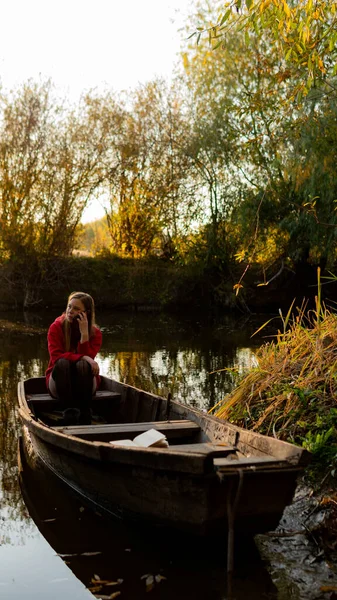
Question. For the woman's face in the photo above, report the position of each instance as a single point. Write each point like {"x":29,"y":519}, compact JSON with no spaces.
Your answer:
{"x":74,"y":307}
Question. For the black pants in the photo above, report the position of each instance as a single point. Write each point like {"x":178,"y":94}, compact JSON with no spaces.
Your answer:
{"x":74,"y":382}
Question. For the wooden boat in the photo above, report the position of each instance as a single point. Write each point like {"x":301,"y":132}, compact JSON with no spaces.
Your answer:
{"x":211,"y":472}
{"x":91,"y":544}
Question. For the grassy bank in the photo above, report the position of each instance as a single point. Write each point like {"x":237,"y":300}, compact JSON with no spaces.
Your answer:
{"x":291,"y":394}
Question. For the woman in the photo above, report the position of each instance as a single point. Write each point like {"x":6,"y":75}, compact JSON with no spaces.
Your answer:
{"x":73,"y":342}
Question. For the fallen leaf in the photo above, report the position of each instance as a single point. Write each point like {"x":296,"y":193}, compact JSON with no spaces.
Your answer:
{"x":105,"y":581}
{"x":95,"y":588}
{"x":327,"y":500}
{"x":149,"y":583}
{"x":48,"y":520}
{"x":104,"y":597}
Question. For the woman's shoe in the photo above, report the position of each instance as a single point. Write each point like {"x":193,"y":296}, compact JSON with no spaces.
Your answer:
{"x":71,"y":416}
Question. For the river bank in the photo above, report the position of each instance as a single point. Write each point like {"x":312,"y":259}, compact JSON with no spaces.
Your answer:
{"x":301,"y":555}
{"x":155,"y":284}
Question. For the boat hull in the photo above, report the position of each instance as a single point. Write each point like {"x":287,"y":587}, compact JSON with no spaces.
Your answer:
{"x":168,"y":489}
{"x":194,"y":503}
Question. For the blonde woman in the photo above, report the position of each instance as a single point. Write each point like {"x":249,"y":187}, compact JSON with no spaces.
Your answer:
{"x":73,"y":342}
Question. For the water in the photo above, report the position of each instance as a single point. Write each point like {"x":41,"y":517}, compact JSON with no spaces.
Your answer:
{"x":50,"y":546}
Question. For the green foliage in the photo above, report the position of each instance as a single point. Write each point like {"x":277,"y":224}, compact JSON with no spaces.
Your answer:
{"x":48,"y":167}
{"x":316,"y":442}
{"x":149,"y":173}
{"x":303,"y":32}
{"x":214,"y":169}
{"x":292,"y":393}
{"x":276,"y":158}
{"x":112,"y":280}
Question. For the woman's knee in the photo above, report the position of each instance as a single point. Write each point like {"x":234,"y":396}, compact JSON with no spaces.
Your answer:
{"x":62,"y":365}
{"x":83,"y":369}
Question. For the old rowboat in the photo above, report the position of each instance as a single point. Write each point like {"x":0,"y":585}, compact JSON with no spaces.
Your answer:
{"x":210,"y":474}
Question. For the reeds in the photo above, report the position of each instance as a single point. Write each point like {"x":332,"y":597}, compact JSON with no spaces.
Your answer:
{"x":292,"y":393}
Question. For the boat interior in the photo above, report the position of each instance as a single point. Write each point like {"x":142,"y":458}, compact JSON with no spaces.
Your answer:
{"x":121,"y":412}
{"x":116,"y":417}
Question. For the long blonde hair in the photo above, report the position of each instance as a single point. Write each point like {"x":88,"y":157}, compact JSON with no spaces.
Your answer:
{"x":89,"y":306}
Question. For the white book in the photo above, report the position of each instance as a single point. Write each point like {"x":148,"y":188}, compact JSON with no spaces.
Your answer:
{"x":150,"y":438}
{"x":123,"y":443}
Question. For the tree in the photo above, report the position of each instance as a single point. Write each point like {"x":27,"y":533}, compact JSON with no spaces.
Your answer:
{"x":274,"y":154}
{"x":146,"y":184}
{"x":304,"y":32}
{"x":50,"y":165}
{"x":241,"y":128}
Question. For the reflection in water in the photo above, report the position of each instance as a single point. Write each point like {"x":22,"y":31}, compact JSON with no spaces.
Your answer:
{"x":15,"y":363}
{"x":190,"y":360}
{"x":154,"y":352}
{"x":99,"y":551}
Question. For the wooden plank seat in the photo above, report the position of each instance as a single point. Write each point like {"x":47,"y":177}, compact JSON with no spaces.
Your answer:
{"x":119,"y":431}
{"x":46,"y":402}
{"x":251,"y":462}
{"x":206,"y":448}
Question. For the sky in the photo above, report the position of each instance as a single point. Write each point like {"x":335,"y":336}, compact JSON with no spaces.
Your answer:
{"x":85,"y":44}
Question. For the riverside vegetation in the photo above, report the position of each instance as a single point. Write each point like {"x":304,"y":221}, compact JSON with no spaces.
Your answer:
{"x":292,"y":391}
{"x":227,"y":173}
{"x":291,"y":394}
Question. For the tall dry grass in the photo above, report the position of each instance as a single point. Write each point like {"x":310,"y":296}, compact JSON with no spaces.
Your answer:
{"x":292,"y":393}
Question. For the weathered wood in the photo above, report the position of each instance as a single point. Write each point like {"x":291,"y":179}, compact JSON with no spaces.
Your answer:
{"x":132,"y":405}
{"x":118,"y":431}
{"x":250,"y":462}
{"x":155,"y":410}
{"x":37,"y":399}
{"x":104,"y":401}
{"x":43,"y":402}
{"x":168,"y":405}
{"x":147,"y":409}
{"x":54,"y":443}
{"x":185,"y":485}
{"x":248,"y":442}
{"x":204,"y":448}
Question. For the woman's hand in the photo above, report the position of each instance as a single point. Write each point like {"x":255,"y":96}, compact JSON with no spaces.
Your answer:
{"x":83,"y":326}
{"x":94,"y":365}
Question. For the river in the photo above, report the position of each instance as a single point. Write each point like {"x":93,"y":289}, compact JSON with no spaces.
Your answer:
{"x":50,"y":545}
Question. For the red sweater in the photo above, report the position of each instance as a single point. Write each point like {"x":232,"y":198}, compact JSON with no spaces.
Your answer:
{"x":56,"y":343}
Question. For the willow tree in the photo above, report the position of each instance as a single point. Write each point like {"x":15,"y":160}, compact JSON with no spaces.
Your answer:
{"x":147,"y":208}
{"x":304,"y":33}
{"x":312,"y":223}
{"x":50,"y":159}
{"x":240,"y":137}
{"x":247,"y":130}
